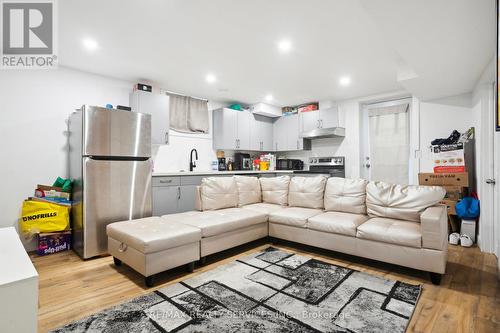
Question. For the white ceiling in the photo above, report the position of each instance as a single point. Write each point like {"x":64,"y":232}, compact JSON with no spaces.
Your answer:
{"x":435,"y":47}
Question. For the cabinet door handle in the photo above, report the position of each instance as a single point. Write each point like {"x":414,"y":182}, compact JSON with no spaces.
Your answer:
{"x":166,"y":138}
{"x":321,"y":123}
{"x":318,"y":123}
{"x":178,"y":192}
{"x":165,"y":181}
{"x":297,"y":144}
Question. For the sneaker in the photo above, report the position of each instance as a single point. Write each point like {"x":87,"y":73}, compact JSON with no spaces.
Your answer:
{"x":466,"y":241}
{"x":454,"y":238}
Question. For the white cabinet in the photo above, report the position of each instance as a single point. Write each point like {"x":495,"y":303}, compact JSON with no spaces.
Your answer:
{"x":18,"y":285}
{"x":286,"y":134}
{"x":261,"y":133}
{"x":157,"y":105}
{"x":325,"y":118}
{"x":241,"y":130}
{"x":231,"y":129}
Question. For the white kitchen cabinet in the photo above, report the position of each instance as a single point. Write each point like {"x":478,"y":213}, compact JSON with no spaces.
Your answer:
{"x":329,"y":117}
{"x":267,"y":110}
{"x":261,"y":133}
{"x":231,"y":129}
{"x":165,"y":200}
{"x":324,"y":118}
{"x":243,"y":121}
{"x":280,"y":134}
{"x":157,"y":105}
{"x":309,"y":121}
{"x":287,"y":134}
{"x":293,"y":141}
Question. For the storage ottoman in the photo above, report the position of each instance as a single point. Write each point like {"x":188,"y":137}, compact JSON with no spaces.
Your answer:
{"x":152,"y":245}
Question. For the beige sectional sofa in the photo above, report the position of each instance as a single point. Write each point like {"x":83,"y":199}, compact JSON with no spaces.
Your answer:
{"x":402,"y":225}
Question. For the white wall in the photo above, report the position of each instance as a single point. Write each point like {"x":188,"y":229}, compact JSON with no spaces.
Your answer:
{"x":438,"y":118}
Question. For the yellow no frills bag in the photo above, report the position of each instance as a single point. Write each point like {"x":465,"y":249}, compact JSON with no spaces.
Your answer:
{"x":40,"y":216}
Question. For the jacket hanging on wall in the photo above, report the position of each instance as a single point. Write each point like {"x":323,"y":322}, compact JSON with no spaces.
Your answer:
{"x":188,"y":114}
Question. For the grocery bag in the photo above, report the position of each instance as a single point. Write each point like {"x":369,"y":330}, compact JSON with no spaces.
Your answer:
{"x":40,"y":216}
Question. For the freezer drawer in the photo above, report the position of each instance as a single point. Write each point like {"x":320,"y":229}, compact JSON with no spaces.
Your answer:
{"x":113,"y":191}
{"x":115,"y":133}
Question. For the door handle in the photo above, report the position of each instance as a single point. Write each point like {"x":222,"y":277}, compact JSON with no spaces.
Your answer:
{"x":178,"y":192}
{"x":491,"y":181}
{"x":318,"y":123}
{"x":166,"y":138}
{"x":297,"y":144}
{"x":321,"y":123}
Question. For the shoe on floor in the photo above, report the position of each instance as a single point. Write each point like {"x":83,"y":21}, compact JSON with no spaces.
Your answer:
{"x":454,"y":238}
{"x":466,"y":241}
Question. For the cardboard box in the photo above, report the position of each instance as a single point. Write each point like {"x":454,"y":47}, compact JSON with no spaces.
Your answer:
{"x":449,"y":158}
{"x":53,"y":242}
{"x":455,"y":192}
{"x":451,"y":206}
{"x":444,"y":179}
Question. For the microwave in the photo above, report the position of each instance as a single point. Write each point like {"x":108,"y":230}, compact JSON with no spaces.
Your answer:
{"x":289,"y":164}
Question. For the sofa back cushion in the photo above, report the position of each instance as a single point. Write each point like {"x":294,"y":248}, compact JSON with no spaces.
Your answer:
{"x":249,"y":191}
{"x":346,"y":195}
{"x":306,"y":192}
{"x":401,"y":202}
{"x":218,"y":193}
{"x":275,"y":190}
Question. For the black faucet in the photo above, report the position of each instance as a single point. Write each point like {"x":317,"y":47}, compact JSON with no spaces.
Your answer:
{"x":192,"y":164}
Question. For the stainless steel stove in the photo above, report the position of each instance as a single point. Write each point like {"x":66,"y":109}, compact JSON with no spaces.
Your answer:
{"x":333,"y":166}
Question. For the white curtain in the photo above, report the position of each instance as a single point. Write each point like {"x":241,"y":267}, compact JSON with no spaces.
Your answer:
{"x":188,"y":114}
{"x":389,"y":143}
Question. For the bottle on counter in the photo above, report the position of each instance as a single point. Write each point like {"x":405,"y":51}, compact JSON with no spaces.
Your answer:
{"x":230,"y":165}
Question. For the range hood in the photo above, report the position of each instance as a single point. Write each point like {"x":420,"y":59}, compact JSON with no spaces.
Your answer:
{"x":320,"y":133}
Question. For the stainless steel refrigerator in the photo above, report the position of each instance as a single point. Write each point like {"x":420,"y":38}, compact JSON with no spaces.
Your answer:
{"x":110,"y":162}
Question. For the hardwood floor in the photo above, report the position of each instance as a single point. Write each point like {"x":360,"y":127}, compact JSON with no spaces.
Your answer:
{"x":468,"y":299}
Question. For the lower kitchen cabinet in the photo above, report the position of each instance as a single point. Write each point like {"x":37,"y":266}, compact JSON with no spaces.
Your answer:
{"x":187,"y":198}
{"x":165,"y":200}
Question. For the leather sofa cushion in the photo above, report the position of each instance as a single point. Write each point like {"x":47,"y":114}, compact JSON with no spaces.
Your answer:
{"x":401,"y":202}
{"x":293,"y":216}
{"x":337,"y":223}
{"x":391,"y":231}
{"x":275,"y":189}
{"x":306,"y":192}
{"x":249,"y":191}
{"x":263,"y":207}
{"x":216,"y":222}
{"x":153,"y":234}
{"x":218,"y":193}
{"x":346,"y":195}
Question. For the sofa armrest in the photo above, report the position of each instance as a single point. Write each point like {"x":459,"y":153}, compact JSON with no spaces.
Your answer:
{"x":434,"y":226}
{"x":197,"y":199}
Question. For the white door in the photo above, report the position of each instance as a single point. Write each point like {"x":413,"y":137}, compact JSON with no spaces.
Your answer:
{"x":386,"y":136}
{"x":293,"y":141}
{"x":279,"y":133}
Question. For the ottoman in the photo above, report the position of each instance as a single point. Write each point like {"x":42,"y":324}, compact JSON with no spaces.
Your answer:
{"x":153,"y":244}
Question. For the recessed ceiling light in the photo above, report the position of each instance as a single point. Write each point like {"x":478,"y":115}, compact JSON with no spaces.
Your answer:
{"x":90,"y":44}
{"x":345,"y":81}
{"x":269,"y":98}
{"x":285,"y":45}
{"x":210,"y":78}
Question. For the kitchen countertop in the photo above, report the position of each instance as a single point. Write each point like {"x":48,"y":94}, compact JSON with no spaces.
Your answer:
{"x":212,"y":172}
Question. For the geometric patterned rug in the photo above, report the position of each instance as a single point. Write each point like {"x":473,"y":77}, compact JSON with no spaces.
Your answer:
{"x":268,"y":291}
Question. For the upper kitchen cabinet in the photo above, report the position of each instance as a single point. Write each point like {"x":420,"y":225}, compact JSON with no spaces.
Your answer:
{"x":231,"y":129}
{"x":261,"y":133}
{"x":324,"y":118}
{"x":157,"y":105}
{"x":286,"y":134}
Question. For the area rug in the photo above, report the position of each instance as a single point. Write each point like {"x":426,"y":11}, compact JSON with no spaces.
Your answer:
{"x":268,"y":291}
